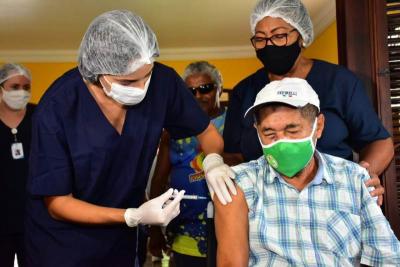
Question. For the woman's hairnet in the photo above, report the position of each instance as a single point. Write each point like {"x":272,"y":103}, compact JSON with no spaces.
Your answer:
{"x":117,"y":42}
{"x":10,"y":70}
{"x":203,"y":67}
{"x":292,"y":11}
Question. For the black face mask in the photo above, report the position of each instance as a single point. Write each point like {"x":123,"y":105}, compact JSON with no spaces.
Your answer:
{"x":279,"y":60}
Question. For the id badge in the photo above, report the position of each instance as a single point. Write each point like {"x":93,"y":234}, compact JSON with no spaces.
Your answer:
{"x":17,"y":151}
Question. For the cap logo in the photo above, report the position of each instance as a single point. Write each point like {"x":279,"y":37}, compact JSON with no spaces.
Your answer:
{"x":287,"y":93}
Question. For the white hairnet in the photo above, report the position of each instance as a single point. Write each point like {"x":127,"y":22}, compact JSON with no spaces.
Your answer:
{"x":10,"y":70}
{"x":117,"y":42}
{"x":292,"y":11}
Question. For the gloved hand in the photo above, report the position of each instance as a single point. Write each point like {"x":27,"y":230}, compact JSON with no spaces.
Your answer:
{"x":157,"y":211}
{"x":218,"y":177}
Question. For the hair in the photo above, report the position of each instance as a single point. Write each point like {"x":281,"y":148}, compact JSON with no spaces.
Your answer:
{"x":205,"y":68}
{"x":308,"y":112}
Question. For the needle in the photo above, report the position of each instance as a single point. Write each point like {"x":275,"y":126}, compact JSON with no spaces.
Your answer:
{"x":193,"y":197}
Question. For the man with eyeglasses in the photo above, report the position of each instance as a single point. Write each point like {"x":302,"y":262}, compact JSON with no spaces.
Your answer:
{"x":281,"y":29}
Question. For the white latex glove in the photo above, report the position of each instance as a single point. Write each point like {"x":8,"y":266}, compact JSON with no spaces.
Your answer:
{"x":218,"y":177}
{"x":157,"y":211}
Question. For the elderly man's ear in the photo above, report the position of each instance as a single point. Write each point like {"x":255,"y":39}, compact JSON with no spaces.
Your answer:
{"x":320,"y":125}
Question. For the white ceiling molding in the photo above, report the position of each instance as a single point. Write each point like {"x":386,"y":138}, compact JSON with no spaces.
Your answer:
{"x":325,"y":18}
{"x":194,"y":53}
{"x":38,"y":55}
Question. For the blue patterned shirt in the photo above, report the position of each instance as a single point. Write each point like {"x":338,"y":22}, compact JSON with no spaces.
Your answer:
{"x":333,"y":221}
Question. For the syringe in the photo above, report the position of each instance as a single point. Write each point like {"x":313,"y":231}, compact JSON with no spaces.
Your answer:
{"x":193,"y":197}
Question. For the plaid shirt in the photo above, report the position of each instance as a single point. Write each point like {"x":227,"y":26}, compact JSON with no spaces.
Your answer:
{"x":333,"y":221}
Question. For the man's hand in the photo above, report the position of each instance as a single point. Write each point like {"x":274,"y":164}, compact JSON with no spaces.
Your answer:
{"x":218,"y":177}
{"x":375,"y":182}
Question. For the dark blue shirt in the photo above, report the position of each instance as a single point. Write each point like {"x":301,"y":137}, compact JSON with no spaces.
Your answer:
{"x":75,"y":150}
{"x":350,"y":120}
{"x":13,"y":175}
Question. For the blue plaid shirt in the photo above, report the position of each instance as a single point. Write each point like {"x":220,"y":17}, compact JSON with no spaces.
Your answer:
{"x":333,"y":221}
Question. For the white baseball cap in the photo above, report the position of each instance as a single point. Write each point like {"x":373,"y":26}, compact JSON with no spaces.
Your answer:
{"x":295,"y":92}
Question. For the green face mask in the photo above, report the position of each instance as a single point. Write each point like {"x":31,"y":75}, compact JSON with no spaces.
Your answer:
{"x":290,"y":156}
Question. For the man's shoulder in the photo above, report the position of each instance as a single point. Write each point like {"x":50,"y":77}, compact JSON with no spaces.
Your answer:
{"x":251,"y":169}
{"x":339,"y":170}
{"x":337,"y":163}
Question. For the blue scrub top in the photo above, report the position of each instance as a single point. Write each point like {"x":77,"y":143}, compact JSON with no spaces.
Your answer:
{"x":350,"y":120}
{"x":75,"y":150}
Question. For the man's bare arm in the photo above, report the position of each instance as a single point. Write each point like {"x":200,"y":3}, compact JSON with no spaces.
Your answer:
{"x":232,"y":231}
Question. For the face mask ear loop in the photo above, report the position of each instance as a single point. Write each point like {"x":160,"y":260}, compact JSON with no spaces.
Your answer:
{"x":108,"y":93}
{"x":102,"y":85}
{"x":106,"y":81}
{"x":312,"y":134}
{"x":259,"y":139}
{"x":147,"y":83}
{"x":2,"y":92}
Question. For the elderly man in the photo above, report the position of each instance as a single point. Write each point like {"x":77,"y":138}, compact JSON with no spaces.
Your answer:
{"x":296,"y":206}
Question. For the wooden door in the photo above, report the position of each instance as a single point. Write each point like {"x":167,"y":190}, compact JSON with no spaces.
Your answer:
{"x":364,"y":48}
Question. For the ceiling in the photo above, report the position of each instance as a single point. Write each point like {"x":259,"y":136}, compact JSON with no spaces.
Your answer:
{"x":183,"y":27}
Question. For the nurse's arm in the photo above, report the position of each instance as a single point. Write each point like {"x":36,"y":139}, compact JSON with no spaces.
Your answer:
{"x":159,"y":183}
{"x":68,"y":208}
{"x":232,"y":231}
{"x":211,"y":141}
{"x":375,"y":157}
{"x":378,"y":154}
{"x":233,"y":159}
{"x":217,"y":173}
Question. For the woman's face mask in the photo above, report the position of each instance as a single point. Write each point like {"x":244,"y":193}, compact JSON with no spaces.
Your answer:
{"x":126,"y":95}
{"x":16,"y":99}
{"x":290,"y":156}
{"x":279,"y":60}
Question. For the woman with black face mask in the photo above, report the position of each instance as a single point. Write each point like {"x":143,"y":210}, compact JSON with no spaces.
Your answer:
{"x":281,"y":29}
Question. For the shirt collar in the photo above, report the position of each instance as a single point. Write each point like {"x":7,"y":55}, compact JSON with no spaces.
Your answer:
{"x":320,"y":172}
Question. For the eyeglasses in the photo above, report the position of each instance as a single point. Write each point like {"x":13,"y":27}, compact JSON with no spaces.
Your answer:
{"x":202,"y":89}
{"x":259,"y":42}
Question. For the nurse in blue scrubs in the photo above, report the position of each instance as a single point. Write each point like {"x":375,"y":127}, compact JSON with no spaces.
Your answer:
{"x":281,"y":29}
{"x":95,"y":134}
